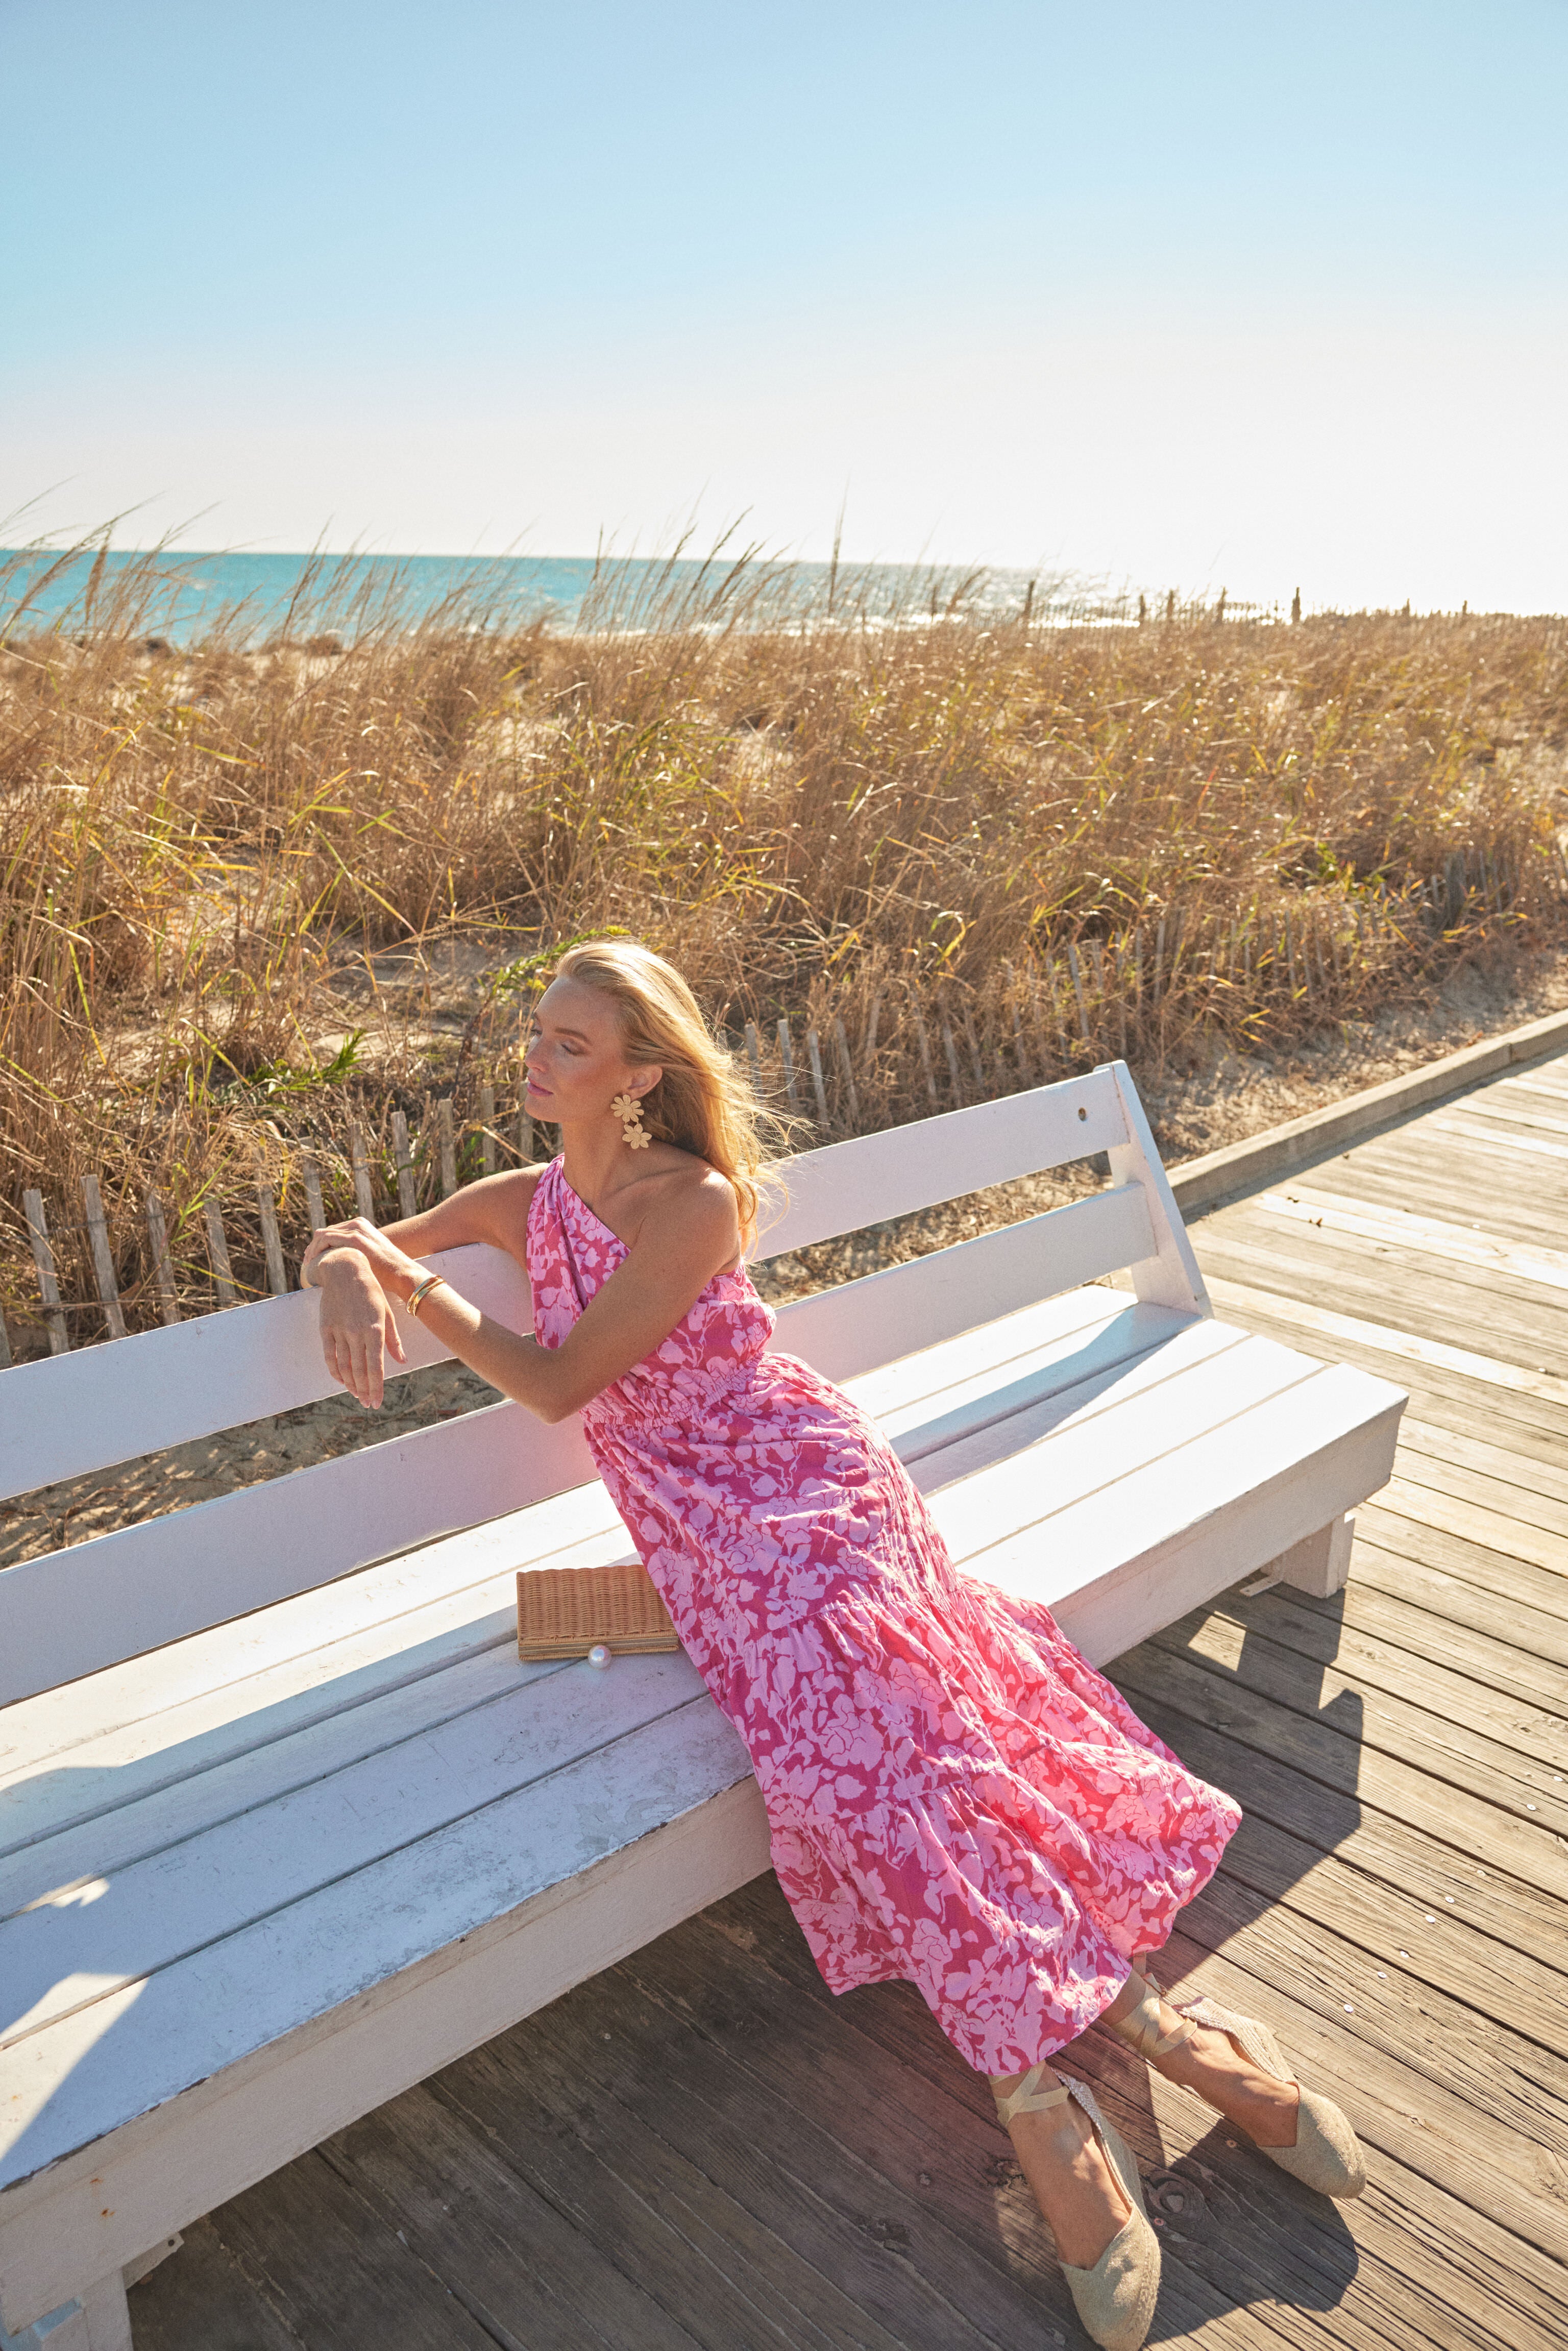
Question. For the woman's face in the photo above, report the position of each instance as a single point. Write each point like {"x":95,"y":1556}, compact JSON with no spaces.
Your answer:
{"x":574,"y":1059}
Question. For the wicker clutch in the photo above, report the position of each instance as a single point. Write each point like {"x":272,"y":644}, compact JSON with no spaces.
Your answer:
{"x":564,"y":1611}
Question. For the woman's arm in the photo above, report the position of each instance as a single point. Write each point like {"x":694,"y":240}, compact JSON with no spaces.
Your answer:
{"x":358,"y":1330}
{"x":689,"y":1232}
{"x":493,"y":1209}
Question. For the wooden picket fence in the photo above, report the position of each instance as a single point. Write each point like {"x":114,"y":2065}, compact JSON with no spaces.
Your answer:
{"x":281,"y":1268}
{"x":1139,"y":995}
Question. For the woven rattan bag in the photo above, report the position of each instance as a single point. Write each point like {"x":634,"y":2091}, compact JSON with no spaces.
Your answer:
{"x":565,"y":1612}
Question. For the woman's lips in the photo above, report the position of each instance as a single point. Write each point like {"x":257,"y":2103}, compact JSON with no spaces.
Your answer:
{"x":532,"y":1086}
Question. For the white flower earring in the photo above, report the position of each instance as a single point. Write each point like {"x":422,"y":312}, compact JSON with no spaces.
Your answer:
{"x":629,"y":1111}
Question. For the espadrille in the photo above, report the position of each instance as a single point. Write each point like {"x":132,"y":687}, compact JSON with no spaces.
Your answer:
{"x":1326,"y":2155}
{"x":1115,"y":2299}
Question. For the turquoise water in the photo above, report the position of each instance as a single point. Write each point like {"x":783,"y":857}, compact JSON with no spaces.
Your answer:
{"x":186,"y":595}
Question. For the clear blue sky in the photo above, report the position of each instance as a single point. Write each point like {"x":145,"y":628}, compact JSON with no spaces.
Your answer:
{"x":1209,"y":294}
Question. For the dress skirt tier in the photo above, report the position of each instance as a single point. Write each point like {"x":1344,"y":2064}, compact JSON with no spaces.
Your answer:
{"x":954,"y":1794}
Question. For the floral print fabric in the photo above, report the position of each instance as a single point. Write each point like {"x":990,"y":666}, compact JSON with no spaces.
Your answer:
{"x":955,"y":1795}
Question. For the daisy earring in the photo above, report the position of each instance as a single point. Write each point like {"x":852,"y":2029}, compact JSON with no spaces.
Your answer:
{"x":629,"y":1111}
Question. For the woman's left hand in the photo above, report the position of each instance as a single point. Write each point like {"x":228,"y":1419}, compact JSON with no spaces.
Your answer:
{"x":393,"y":1269}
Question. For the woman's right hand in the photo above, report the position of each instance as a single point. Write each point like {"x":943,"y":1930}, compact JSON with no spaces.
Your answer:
{"x":358,"y":1327}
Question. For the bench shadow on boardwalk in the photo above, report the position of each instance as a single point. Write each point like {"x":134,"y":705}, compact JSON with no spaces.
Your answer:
{"x":702,"y":2147}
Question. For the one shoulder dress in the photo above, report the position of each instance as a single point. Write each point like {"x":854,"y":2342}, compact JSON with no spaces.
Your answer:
{"x":954,"y":1796}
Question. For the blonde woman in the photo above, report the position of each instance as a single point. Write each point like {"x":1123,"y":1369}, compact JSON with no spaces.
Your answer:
{"x":955,"y":1795}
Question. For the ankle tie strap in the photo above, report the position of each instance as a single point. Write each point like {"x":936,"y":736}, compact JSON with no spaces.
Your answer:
{"x":1139,"y":2028}
{"x":1029,"y":2099}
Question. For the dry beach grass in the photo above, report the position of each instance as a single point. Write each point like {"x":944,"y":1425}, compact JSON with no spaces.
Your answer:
{"x":253,"y":893}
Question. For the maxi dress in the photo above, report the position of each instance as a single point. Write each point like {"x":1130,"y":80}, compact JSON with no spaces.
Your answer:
{"x":955,"y":1795}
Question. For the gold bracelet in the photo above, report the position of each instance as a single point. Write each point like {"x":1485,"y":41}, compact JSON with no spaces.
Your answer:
{"x":420,"y":1292}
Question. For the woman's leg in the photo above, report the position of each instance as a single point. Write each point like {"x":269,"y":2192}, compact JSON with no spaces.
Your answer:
{"x":1210,"y":2063}
{"x":1073,"y":2184}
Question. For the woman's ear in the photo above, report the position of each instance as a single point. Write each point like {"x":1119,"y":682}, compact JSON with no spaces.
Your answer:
{"x":643,"y":1083}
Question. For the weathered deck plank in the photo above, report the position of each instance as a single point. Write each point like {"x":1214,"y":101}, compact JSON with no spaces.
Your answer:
{"x":1497,"y":1589}
{"x":1431,"y":1451}
{"x":704,"y":2147}
{"x":1402,"y":1651}
{"x":1382,"y":1686}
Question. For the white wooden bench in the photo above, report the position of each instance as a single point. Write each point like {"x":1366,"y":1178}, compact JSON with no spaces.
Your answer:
{"x":282,"y":1831}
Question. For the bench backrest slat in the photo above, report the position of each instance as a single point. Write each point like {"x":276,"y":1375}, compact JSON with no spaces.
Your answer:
{"x":144,"y":1585}
{"x":121,"y":1593}
{"x":847,"y":1184}
{"x":86,"y":1411}
{"x":854,"y":1328}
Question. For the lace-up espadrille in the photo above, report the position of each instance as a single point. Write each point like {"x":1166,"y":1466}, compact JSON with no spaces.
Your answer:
{"x":1326,"y":2155}
{"x":1115,"y":2299}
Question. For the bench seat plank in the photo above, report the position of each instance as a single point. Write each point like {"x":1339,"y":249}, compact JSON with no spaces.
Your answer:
{"x":506,"y":1909}
{"x":351,"y":1634}
{"x":1135,"y":1389}
{"x":1059,"y":1455}
{"x":99,"y":1843}
{"x":1233,"y":1501}
{"x":1104,"y":1346}
{"x":229,"y":1997}
{"x":511,"y":1735}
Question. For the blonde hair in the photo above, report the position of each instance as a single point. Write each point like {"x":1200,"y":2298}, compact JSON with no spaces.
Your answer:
{"x":702,"y":1103}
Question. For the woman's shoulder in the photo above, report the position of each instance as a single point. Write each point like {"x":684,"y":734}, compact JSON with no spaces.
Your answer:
{"x":685,"y":1195}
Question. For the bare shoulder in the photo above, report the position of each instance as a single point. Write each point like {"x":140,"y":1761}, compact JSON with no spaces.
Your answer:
{"x":688,"y":1205}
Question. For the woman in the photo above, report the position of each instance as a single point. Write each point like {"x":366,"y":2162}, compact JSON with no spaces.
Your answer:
{"x":954,"y":1796}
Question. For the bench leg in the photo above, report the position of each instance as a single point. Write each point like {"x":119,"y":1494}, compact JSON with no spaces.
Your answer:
{"x":98,"y":2320}
{"x":1320,"y":1563}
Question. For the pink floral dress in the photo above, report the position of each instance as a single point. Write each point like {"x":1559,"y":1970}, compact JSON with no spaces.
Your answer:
{"x":955,"y":1795}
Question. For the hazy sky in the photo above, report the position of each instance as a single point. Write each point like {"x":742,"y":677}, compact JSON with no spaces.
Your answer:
{"x":1208,"y":295}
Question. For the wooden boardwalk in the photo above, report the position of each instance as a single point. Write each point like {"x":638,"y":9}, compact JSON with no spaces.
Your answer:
{"x":702,"y":2147}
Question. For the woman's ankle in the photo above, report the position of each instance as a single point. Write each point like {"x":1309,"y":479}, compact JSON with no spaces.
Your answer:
{"x":1001,"y":2084}
{"x":1080,"y":2198}
{"x":1204,"y":2059}
{"x":1211,"y":2066}
{"x":1131,"y":1994}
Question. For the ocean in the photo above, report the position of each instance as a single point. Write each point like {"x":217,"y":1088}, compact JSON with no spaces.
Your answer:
{"x":186,"y":596}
